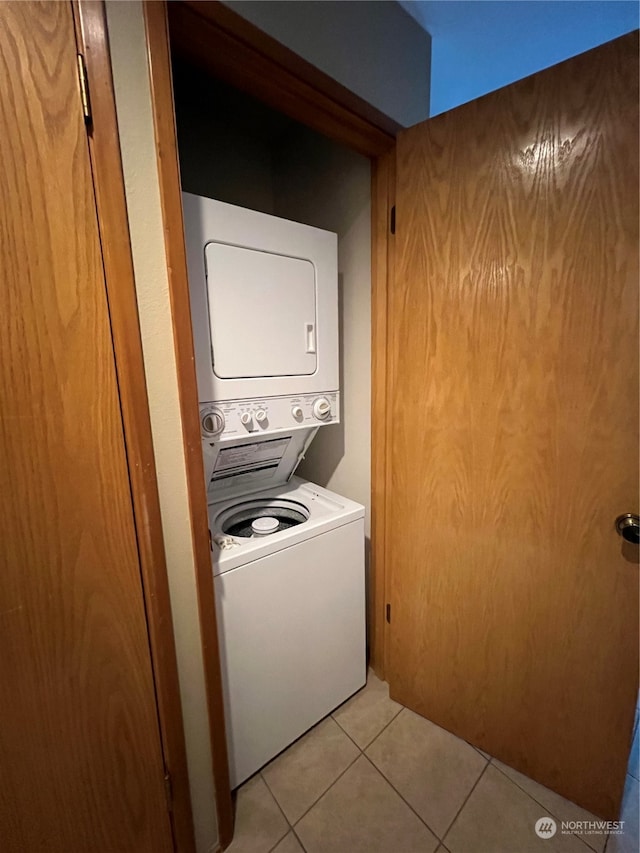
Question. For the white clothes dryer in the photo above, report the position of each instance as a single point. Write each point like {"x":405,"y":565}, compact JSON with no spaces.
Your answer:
{"x":289,"y":579}
{"x":264,"y":306}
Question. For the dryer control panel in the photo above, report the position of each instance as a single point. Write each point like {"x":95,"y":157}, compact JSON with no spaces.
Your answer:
{"x":234,"y":418}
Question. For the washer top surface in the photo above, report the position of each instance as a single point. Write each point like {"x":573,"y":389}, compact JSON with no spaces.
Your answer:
{"x":301,"y":509}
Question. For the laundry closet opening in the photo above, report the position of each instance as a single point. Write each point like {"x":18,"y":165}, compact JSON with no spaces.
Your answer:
{"x":235,"y":149}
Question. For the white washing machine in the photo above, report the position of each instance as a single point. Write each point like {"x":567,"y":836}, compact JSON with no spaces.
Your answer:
{"x":288,"y":566}
{"x":288,"y":556}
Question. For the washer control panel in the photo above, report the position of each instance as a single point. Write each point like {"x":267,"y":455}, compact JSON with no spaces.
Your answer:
{"x":212,"y":421}
{"x":256,"y":417}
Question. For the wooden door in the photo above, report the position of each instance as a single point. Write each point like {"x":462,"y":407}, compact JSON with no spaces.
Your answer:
{"x":513,"y":423}
{"x":81,"y":765}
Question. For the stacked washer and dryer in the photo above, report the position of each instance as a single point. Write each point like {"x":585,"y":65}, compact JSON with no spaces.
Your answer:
{"x":287,"y":555}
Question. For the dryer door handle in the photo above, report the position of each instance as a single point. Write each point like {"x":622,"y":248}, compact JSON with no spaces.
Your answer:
{"x":310,"y":337}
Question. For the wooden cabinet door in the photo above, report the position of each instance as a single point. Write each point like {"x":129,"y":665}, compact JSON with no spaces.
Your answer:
{"x":513,"y":430}
{"x":81,"y":765}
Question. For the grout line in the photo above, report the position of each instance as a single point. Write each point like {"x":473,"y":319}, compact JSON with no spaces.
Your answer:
{"x":360,"y":753}
{"x":479,"y":751}
{"x":542,"y":806}
{"x":306,"y":812}
{"x":408,"y":804}
{"x":273,"y":797}
{"x":271,"y":849}
{"x":386,"y":726}
{"x":345,"y":732}
{"x":317,"y":800}
{"x":466,"y":800}
{"x":300,"y":840}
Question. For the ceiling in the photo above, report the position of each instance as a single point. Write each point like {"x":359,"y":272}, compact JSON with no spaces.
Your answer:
{"x":481,"y":45}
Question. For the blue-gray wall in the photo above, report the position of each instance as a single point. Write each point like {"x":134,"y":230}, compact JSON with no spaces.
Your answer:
{"x":373,"y":48}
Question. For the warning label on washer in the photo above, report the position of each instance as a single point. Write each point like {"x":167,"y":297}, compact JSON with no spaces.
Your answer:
{"x":250,"y":457}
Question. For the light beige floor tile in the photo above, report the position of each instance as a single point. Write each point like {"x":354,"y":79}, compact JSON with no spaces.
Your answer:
{"x":304,"y":772}
{"x":431,"y":768}
{"x":259,"y":822}
{"x":499,"y":817}
{"x":555,"y":805}
{"x":362,"y":813}
{"x":365,"y":715}
{"x":289,"y":844}
{"x":629,"y":841}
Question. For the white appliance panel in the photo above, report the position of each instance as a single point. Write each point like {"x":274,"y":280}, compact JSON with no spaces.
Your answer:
{"x":258,"y":417}
{"x":269,"y":356}
{"x":326,"y":511}
{"x":237,"y":466}
{"x":292,"y":633}
{"x":262,"y":313}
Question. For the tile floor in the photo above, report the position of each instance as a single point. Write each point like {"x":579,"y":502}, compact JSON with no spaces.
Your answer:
{"x":376,"y":778}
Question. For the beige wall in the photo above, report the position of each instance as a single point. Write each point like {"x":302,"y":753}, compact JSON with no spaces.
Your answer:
{"x":133,"y":101}
{"x":321,"y":183}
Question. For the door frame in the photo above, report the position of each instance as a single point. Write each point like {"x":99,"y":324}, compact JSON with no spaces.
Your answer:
{"x":224,"y":44}
{"x":108,"y":181}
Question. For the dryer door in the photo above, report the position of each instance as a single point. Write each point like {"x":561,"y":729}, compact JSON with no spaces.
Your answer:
{"x":262,"y":312}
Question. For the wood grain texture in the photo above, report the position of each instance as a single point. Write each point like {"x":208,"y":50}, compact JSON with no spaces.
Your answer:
{"x":226,"y":45}
{"x":171,"y":200}
{"x":514,"y":427}
{"x":382,"y":199}
{"x":108,"y":182}
{"x":80,"y":751}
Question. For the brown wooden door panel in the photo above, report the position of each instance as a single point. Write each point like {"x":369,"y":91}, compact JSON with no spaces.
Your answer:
{"x":513,"y":431}
{"x":80,"y":755}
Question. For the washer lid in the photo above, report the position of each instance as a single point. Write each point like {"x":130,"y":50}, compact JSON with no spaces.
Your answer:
{"x":242,"y":465}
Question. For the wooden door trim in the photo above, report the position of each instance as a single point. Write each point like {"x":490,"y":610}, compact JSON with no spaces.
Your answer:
{"x":155,"y":15}
{"x":382,"y":201}
{"x":228,"y":46}
{"x":108,"y":180}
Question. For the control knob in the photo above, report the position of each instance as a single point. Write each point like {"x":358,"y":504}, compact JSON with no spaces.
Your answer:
{"x":321,"y":408}
{"x":245,"y":419}
{"x":297,"y":412}
{"x":261,"y":416}
{"x":213,"y":422}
